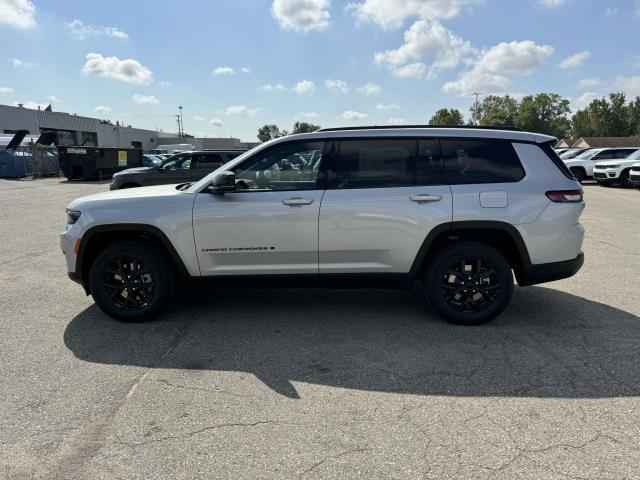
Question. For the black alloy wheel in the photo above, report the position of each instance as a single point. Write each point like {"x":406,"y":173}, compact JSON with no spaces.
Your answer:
{"x":130,"y":281}
{"x":469,"y":283}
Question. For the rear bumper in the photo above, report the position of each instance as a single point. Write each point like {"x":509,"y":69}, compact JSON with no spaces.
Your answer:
{"x":548,"y":272}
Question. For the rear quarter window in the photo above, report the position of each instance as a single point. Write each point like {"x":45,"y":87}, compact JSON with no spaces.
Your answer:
{"x":480,"y":161}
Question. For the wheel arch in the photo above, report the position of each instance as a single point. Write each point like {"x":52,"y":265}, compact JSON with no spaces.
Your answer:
{"x":503,"y":236}
{"x":99,"y":237}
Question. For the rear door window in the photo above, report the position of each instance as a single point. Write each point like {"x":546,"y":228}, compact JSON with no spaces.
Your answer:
{"x":480,"y":161}
{"x":210,"y":161}
{"x":375,"y":163}
{"x":428,"y":163}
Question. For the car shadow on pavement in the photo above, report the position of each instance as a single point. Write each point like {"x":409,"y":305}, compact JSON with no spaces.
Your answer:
{"x":547,"y":344}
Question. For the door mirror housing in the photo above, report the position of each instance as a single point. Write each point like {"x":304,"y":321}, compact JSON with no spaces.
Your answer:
{"x":223,"y":182}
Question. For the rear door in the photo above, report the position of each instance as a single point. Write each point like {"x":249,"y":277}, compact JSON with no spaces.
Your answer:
{"x":383,"y":197}
{"x":175,"y":170}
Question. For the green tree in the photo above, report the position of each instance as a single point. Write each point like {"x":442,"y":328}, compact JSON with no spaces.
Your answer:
{"x":545,"y":113}
{"x":581,"y":125}
{"x":633,"y":116}
{"x":608,"y":117}
{"x":304,"y":127}
{"x":446,"y":116}
{"x":269,"y":132}
{"x":497,"y":110}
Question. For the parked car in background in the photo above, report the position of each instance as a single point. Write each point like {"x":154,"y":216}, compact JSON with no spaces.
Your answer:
{"x":634,"y":174}
{"x":582,"y":165}
{"x":149,"y":160}
{"x":572,"y":153}
{"x":616,"y":171}
{"x":179,"y":168}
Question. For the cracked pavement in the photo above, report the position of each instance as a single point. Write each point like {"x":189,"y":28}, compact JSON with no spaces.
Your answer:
{"x":314,"y":384}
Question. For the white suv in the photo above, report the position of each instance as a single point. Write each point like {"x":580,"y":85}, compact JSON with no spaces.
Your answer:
{"x":460,"y":209}
{"x":582,"y":166}
{"x":616,"y":171}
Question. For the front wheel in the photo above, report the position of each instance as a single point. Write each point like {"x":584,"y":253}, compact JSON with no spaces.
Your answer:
{"x":469,"y":283}
{"x":578,"y":174}
{"x":129,"y":282}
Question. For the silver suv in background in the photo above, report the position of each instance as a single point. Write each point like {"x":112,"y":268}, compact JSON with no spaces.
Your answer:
{"x":462,"y":210}
{"x":179,"y":168}
{"x":582,"y":165}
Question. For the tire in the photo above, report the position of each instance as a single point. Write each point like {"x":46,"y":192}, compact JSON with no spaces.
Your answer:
{"x":579,"y":174}
{"x":624,"y":179}
{"x":113,"y":280}
{"x":491,"y":290}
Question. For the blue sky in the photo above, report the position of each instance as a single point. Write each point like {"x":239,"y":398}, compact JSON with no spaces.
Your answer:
{"x":235,"y":65}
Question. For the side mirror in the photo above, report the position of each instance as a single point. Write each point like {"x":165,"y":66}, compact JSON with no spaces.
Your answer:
{"x":224,"y":182}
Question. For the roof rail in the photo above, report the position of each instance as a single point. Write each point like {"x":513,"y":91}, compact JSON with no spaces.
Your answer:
{"x":385,"y":127}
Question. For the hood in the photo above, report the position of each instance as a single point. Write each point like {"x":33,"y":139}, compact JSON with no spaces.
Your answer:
{"x":133,"y":170}
{"x":619,"y":161}
{"x":142,"y":194}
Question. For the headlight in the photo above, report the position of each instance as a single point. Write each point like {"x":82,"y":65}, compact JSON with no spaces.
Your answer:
{"x":72,"y":216}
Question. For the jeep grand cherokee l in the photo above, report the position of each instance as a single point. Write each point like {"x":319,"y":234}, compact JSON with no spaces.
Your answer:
{"x":461,"y":209}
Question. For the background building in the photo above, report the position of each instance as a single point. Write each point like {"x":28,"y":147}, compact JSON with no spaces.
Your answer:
{"x":78,"y":130}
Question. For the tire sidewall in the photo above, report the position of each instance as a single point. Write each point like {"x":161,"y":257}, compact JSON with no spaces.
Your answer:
{"x":155,"y":263}
{"x":454,"y":254}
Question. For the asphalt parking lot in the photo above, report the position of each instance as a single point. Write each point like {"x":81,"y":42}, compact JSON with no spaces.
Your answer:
{"x":313,"y":383}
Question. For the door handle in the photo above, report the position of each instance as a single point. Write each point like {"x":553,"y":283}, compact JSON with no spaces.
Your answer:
{"x":425,"y":198}
{"x":297,"y":202}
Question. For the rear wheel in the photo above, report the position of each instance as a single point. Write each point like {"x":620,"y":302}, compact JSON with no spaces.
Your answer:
{"x":624,"y":179}
{"x":130,"y":282}
{"x":579,"y":174}
{"x":469,"y":283}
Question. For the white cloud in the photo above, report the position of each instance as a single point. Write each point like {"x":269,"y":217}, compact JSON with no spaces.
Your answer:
{"x":302,"y":15}
{"x":305,"y":87}
{"x":31,"y":104}
{"x":307,"y":115}
{"x":223,"y":71}
{"x":245,"y":70}
{"x":337,"y":86}
{"x":198,"y":118}
{"x":21,"y":64}
{"x":583,"y":100}
{"x":370,"y":89}
{"x":353,"y":115}
{"x":272,"y":88}
{"x":589,"y":83}
{"x":488,"y":72}
{"x":412,"y":70}
{"x":609,"y":12}
{"x":396,"y":121}
{"x":629,"y":85}
{"x":552,"y":3}
{"x":576,"y":60}
{"x":216,"y":122}
{"x":241,"y":110}
{"x":102,"y":110}
{"x":17,"y":13}
{"x":6,"y":89}
{"x":387,"y":106}
{"x":126,"y":70}
{"x":164,"y":83}
{"x":54,"y":99}
{"x":425,"y":41}
{"x":145,"y":99}
{"x":81,"y":31}
{"x":392,"y":13}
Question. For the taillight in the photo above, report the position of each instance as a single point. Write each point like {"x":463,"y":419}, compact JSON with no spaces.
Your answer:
{"x":565,"y":196}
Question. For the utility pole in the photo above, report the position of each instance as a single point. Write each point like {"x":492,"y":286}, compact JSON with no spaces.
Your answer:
{"x":178,"y":120}
{"x":475,"y":110}
{"x":181,"y":122}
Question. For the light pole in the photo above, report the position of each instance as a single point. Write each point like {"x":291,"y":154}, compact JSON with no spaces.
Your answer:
{"x":181,"y":122}
{"x":475,"y":110}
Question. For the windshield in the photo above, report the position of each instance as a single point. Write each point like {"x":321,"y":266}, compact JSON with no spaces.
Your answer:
{"x":568,"y":153}
{"x":587,"y":155}
{"x":634,"y":156}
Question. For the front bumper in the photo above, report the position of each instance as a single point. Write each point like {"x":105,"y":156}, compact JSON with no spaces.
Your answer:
{"x":549,"y":272}
{"x":634,"y":177}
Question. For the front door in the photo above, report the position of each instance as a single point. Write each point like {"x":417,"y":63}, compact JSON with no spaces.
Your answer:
{"x":383,"y":198}
{"x":174,"y":170}
{"x":269,"y":225}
